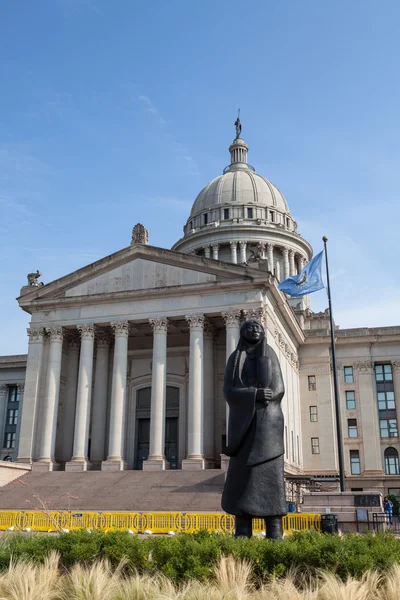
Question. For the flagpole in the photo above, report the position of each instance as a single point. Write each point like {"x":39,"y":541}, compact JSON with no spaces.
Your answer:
{"x":335,"y":379}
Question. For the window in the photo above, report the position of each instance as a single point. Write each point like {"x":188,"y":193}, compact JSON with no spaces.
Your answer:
{"x":352,"y":428}
{"x":355,"y":462}
{"x":226,"y":213}
{"x":13,"y":393}
{"x":9,"y":439}
{"x":287,"y":222}
{"x":348,"y":375}
{"x":191,"y":225}
{"x":271,"y":216}
{"x":312,"y":383}
{"x":388,"y":428}
{"x":249,"y":213}
{"x":205,"y":219}
{"x":391,"y":461}
{"x":383,"y":373}
{"x":350,"y":400}
{"x":386,"y":401}
{"x":313,"y":414}
{"x":12,"y":416}
{"x":315,"y":445}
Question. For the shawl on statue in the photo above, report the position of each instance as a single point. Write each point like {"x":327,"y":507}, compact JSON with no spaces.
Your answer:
{"x":240,"y":394}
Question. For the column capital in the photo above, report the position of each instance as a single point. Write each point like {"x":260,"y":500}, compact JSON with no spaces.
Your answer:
{"x":214,"y":246}
{"x":35,"y":334}
{"x":55,"y":333}
{"x":365,"y":366}
{"x":21,"y":387}
{"x":159,"y":324}
{"x":231,"y":318}
{"x":285,"y":252}
{"x":3,"y":389}
{"x":396,"y":365}
{"x":86,"y":331}
{"x":233,"y":244}
{"x":291,"y":253}
{"x":242,"y":244}
{"x":210,"y":331}
{"x":270,"y":246}
{"x":258,"y":314}
{"x":121,"y":328}
{"x":102,"y":337}
{"x":196,"y":322}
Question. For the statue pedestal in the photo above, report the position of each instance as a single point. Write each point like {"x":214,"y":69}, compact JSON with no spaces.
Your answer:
{"x":224,"y":462}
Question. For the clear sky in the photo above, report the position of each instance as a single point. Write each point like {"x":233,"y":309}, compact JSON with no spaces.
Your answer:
{"x":114,"y":112}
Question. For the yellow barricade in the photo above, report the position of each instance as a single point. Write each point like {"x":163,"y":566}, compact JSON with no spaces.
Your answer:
{"x":141,"y":522}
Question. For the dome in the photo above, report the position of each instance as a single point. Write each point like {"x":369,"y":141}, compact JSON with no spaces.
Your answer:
{"x":241,"y":216}
{"x":239,"y":186}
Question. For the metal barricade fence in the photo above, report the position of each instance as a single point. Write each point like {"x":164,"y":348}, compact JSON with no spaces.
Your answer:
{"x":140,"y":522}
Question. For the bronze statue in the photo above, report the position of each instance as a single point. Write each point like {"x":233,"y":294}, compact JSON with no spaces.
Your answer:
{"x":253,"y":389}
{"x":238,"y":126}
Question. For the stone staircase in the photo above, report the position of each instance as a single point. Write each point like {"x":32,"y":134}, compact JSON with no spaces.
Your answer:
{"x":181,"y":491}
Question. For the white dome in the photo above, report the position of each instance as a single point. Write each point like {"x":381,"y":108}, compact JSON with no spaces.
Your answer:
{"x":241,"y":186}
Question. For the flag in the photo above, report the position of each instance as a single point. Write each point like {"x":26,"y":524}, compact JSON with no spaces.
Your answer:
{"x":306,"y":282}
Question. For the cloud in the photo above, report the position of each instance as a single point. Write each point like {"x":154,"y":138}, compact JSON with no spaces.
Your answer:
{"x":149,"y":106}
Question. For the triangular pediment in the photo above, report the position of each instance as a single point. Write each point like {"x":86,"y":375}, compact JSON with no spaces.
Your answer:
{"x":135,"y":269}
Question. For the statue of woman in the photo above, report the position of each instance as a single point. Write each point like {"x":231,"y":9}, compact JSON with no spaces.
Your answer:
{"x":253,"y":389}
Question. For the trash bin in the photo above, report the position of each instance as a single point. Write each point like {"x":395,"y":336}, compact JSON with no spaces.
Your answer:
{"x":329,"y":524}
{"x":290,"y":507}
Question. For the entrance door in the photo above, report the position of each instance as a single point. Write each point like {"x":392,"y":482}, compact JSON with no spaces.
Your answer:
{"x":171,"y":441}
{"x":143,"y":402}
{"x":143,"y":442}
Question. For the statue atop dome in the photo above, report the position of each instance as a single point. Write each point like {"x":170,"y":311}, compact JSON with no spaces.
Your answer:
{"x":238,"y":126}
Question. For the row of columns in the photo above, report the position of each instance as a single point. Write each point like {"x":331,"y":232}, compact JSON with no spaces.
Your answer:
{"x":293,"y":262}
{"x":78,"y":398}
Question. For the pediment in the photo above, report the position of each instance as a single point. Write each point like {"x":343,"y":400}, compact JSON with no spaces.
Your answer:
{"x":134,"y":269}
{"x":139,"y":274}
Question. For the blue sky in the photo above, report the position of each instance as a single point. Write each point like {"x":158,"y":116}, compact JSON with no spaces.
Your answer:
{"x":117,"y":112}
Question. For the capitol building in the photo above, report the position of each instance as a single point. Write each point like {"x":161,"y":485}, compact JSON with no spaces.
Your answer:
{"x":126,"y":356}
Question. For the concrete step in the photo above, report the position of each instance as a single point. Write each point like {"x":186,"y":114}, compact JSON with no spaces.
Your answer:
{"x":122,"y":491}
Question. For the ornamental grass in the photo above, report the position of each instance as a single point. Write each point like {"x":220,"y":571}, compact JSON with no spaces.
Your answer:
{"x":231,"y":579}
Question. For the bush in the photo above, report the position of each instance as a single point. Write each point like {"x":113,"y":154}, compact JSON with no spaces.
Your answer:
{"x":189,"y":556}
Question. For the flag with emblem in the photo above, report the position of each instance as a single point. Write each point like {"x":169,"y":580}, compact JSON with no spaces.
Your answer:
{"x":306,"y":282}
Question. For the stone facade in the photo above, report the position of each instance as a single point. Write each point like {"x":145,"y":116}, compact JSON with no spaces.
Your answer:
{"x":126,"y":356}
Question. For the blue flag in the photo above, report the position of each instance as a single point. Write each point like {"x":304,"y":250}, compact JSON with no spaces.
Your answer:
{"x":306,"y":282}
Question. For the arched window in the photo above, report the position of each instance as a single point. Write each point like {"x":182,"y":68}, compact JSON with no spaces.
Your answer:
{"x":391,"y":461}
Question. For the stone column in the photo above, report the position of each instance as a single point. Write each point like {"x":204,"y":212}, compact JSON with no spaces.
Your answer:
{"x":29,"y":405}
{"x":51,"y":399}
{"x":234,"y":252}
{"x":270,"y":255}
{"x":194,"y":459}
{"x":79,"y":460}
{"x":286,"y":272}
{"x":301,"y":263}
{"x":99,"y":411}
{"x":369,"y":419}
{"x":242,"y":246}
{"x":215,"y":251}
{"x":209,"y":394}
{"x":278,"y":271}
{"x":70,"y":397}
{"x":292,"y":266}
{"x":207,"y":251}
{"x":115,"y":459}
{"x":232,"y":324}
{"x":156,"y":460}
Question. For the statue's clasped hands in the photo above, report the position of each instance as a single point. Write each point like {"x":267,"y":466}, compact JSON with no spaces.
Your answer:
{"x":264,"y":395}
